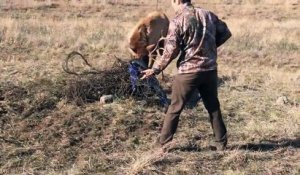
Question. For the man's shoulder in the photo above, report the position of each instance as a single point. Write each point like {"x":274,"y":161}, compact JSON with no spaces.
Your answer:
{"x":205,"y":11}
{"x":177,"y":19}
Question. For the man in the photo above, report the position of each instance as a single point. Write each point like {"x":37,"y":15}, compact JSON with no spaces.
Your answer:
{"x":194,"y":34}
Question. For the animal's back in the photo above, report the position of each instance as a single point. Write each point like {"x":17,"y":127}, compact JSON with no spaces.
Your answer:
{"x":157,"y":24}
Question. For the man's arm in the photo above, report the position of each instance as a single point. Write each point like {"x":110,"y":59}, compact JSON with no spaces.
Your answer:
{"x":171,"y":49}
{"x":222,"y":32}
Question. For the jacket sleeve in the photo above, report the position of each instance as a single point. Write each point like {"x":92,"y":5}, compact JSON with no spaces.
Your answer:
{"x":222,"y":32}
{"x":171,"y":48}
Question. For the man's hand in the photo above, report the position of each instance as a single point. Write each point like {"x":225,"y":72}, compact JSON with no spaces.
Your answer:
{"x":147,"y":73}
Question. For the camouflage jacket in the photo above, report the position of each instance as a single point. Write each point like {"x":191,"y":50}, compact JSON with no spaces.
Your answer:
{"x":185,"y":38}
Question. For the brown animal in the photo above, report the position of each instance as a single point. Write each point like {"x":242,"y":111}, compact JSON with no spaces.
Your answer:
{"x":145,"y":36}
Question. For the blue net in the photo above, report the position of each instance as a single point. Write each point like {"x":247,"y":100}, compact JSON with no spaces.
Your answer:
{"x":135,"y":68}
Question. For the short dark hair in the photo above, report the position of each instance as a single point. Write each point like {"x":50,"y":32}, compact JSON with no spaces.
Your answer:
{"x":184,"y":1}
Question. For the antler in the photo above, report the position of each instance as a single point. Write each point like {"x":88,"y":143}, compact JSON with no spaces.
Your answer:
{"x":157,"y":52}
{"x":156,"y":47}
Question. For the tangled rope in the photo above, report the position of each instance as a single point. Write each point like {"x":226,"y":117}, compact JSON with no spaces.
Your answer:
{"x":89,"y":85}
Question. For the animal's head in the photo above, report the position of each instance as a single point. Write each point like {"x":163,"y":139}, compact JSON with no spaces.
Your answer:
{"x":138,"y":43}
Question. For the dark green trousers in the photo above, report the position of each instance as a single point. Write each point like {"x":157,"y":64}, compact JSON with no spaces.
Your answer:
{"x":182,"y":89}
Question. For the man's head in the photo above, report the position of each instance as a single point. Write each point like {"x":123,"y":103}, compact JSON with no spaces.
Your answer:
{"x":177,"y":3}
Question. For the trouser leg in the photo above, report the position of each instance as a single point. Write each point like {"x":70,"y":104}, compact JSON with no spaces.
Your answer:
{"x":182,"y":88}
{"x":218,"y":126}
{"x":209,"y":94}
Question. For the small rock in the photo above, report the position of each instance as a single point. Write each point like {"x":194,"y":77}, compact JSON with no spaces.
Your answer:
{"x":132,"y":112}
{"x":106,"y":99}
{"x":282,"y":100}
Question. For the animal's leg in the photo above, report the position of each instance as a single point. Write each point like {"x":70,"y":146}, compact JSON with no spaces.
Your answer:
{"x":146,"y":60}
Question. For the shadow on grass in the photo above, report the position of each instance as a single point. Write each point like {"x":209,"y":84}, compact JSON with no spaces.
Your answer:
{"x":186,"y":149}
{"x":270,"y":145}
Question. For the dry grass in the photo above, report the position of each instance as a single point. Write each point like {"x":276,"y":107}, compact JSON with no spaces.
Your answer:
{"x":42,"y":133}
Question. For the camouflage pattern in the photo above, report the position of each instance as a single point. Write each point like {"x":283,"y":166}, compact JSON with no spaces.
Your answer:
{"x":184,"y":37}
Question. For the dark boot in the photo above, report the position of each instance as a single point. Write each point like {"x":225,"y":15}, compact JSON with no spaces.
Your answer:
{"x":219,"y":130}
{"x":218,"y":145}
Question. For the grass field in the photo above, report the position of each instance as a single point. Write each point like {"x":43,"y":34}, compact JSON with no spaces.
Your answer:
{"x":42,"y":132}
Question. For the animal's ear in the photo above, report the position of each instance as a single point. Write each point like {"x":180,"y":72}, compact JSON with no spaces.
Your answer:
{"x":150,"y":47}
{"x":143,"y":32}
{"x":131,"y":52}
{"x":143,"y":29}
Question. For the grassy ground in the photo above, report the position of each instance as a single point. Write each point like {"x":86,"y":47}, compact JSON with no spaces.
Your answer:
{"x":41,"y":132}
